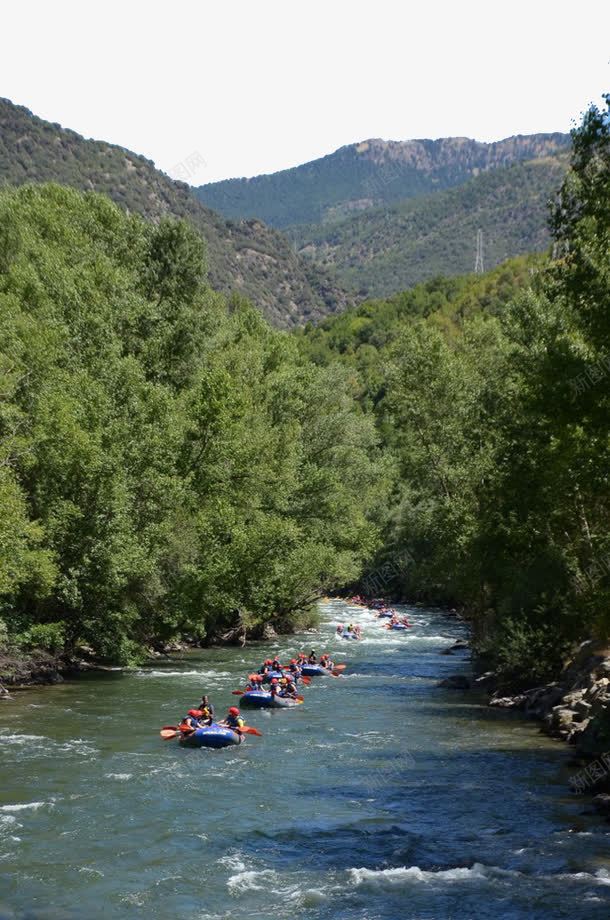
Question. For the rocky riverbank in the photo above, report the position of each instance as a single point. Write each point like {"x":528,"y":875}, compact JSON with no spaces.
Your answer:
{"x":17,"y":671}
{"x":576,"y":709}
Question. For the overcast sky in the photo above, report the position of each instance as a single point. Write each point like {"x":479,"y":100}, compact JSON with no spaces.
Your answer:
{"x":211,"y":90}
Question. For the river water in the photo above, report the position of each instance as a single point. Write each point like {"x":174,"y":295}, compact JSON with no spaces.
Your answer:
{"x":382,"y":797}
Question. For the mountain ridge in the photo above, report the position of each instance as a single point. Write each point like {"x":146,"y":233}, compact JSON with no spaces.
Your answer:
{"x":370,"y":173}
{"x":244,"y":256}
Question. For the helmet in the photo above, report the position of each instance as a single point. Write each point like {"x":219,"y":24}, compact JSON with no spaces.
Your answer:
{"x":293,"y":661}
{"x":196,"y":713}
{"x":274,"y":680}
{"x":268,"y":661}
{"x":233,"y":710}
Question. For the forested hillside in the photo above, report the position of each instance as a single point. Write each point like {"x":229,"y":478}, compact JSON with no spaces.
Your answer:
{"x":169,"y":465}
{"x":370,"y":174}
{"x":383,"y":250}
{"x":244,"y":256}
{"x":492,"y":398}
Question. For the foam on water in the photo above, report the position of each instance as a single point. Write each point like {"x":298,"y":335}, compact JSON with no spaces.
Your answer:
{"x":404,"y":875}
{"x":34,"y":806}
{"x":200,"y":675}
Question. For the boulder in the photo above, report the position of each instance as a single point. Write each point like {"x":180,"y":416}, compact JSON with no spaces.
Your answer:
{"x":460,"y":644}
{"x":488,"y":679}
{"x":576,"y":729}
{"x":508,"y":702}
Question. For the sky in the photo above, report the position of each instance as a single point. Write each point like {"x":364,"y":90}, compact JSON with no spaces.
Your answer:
{"x":213,"y":90}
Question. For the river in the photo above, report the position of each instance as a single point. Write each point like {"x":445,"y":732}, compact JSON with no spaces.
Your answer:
{"x":382,"y":797}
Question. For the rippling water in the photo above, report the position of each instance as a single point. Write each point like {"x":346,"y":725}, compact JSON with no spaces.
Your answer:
{"x":383,"y":797}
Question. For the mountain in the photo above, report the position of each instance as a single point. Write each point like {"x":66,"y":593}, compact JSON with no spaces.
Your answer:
{"x":383,"y":250}
{"x":369,"y":174}
{"x":244,"y":256}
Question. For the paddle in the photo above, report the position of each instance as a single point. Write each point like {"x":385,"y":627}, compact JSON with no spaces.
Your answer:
{"x":168,"y":733}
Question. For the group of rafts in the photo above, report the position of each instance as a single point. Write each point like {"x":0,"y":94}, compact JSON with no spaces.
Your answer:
{"x":382,"y":612}
{"x":273,"y":686}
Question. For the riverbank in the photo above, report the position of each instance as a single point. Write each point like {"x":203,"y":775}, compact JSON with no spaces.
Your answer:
{"x":576,"y":709}
{"x":382,"y":796}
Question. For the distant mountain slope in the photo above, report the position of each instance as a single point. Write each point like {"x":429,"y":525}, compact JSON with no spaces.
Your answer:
{"x":244,"y":256}
{"x":369,"y":174}
{"x":384,"y":250}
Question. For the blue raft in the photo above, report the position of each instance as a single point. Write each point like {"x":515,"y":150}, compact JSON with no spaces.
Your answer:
{"x":313,"y":670}
{"x":268,"y":677}
{"x":348,"y":635}
{"x":260,"y":699}
{"x":212,"y":736}
{"x":398,"y":626}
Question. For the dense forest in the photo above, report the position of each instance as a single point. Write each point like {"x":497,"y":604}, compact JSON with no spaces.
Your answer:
{"x":244,"y":255}
{"x":169,"y":464}
{"x":382,"y":250}
{"x":491,"y":396}
{"x":172,"y":466}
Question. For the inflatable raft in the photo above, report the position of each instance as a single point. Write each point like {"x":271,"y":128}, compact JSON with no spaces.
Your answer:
{"x":398,"y":626}
{"x":212,"y":736}
{"x":348,"y":635}
{"x":313,"y":670}
{"x":268,"y":677}
{"x":260,"y":699}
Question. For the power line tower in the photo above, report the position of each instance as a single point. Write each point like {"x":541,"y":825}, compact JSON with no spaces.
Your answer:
{"x":478,"y":262}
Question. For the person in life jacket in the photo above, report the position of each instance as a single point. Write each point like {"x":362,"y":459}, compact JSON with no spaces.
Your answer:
{"x":275,"y":664}
{"x":340,"y":629}
{"x":190,"y":722}
{"x":233,"y":720}
{"x":312,"y":657}
{"x":266,"y":667}
{"x":302,"y":657}
{"x":274,"y":687}
{"x":289,"y":688}
{"x":326,"y":662}
{"x":207,"y":710}
{"x":255,"y":682}
{"x":294,"y":669}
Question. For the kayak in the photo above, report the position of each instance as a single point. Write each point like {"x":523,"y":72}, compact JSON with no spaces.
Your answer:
{"x":212,"y":736}
{"x":260,"y":699}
